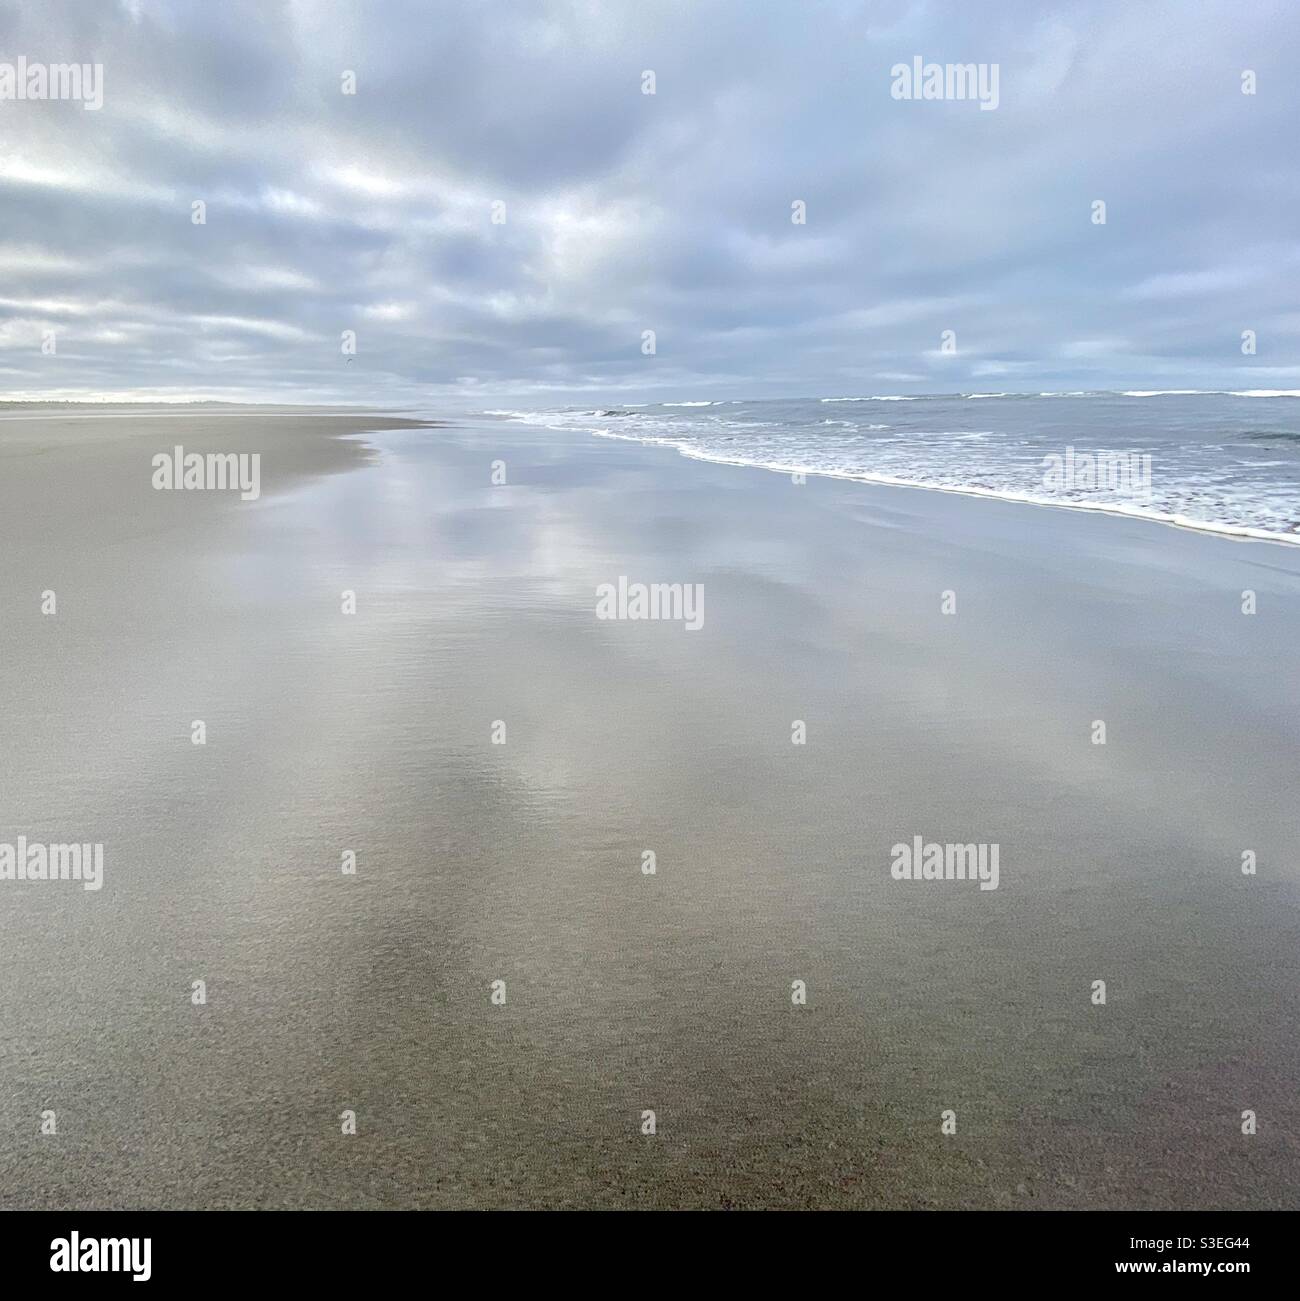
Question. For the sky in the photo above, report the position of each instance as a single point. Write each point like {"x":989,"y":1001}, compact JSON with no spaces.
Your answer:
{"x":380,"y":213}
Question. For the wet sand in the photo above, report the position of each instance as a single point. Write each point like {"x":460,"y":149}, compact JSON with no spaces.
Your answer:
{"x":522,"y":862}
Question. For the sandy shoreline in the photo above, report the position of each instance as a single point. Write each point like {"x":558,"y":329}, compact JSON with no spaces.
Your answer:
{"x":884,"y":480}
{"x":522,"y":862}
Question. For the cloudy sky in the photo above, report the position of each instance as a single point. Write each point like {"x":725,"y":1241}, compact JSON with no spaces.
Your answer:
{"x":627,"y":212}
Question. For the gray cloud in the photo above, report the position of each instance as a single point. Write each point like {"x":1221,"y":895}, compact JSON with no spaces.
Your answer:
{"x":628,"y":212}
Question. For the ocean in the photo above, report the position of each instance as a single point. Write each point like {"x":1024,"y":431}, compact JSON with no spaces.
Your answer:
{"x":1223,"y":462}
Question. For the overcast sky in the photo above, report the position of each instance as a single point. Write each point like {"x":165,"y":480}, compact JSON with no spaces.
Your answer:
{"x":627,"y":212}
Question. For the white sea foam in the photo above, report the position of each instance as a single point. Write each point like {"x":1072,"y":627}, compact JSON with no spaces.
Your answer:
{"x":885,"y":397}
{"x":1028,"y":499}
{"x":1213,"y":392}
{"x":1198,"y":484}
